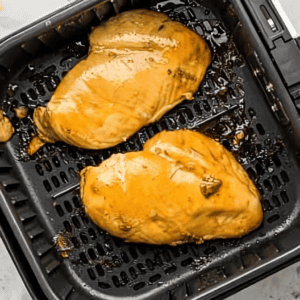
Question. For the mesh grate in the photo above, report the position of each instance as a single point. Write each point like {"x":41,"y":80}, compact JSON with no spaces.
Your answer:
{"x":222,"y":108}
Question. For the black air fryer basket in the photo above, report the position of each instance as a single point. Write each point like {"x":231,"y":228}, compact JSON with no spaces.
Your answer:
{"x":248,"y":101}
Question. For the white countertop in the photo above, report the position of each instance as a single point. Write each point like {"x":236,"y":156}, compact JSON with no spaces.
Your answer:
{"x":284,"y":285}
{"x":15,"y":14}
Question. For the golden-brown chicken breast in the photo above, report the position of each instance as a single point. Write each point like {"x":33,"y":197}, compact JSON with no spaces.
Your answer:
{"x":183,"y":187}
{"x":140,"y":65}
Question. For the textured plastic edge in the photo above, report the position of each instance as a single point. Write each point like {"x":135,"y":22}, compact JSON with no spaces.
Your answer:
{"x":231,"y":286}
{"x":272,"y":73}
{"x":21,"y":239}
{"x":46,"y":23}
{"x":20,"y":260}
{"x":254,"y":6}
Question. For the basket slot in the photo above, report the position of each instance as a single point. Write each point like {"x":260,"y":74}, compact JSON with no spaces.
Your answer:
{"x":68,"y":30}
{"x":16,"y":56}
{"x":50,"y":38}
{"x":4,"y":166}
{"x":43,"y":249}
{"x":117,"y":4}
{"x":103,"y":9}
{"x":34,"y":231}
{"x":9,"y":181}
{"x":268,"y":252}
{"x":134,"y":2}
{"x":17,"y":197}
{"x":233,"y":267}
{"x":52,"y":266}
{"x":250,"y":259}
{"x":33,"y":46}
{"x":179,"y":292}
{"x":206,"y":280}
{"x":25,"y":213}
{"x":86,"y":18}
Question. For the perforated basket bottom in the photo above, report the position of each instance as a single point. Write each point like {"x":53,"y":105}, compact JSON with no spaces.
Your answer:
{"x":228,"y":102}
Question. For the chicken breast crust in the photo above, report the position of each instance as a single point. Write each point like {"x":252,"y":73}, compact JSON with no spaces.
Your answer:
{"x":183,"y":187}
{"x":140,"y":65}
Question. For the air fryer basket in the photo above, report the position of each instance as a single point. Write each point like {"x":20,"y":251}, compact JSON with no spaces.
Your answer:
{"x":40,"y":198}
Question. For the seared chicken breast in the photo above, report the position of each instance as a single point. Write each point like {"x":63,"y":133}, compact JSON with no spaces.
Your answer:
{"x":140,"y":65}
{"x":183,"y":187}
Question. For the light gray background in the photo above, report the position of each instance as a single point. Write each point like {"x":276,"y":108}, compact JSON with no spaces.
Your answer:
{"x":14,"y":14}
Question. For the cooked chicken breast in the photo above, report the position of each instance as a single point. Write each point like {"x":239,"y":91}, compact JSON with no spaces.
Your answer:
{"x":140,"y":65}
{"x":183,"y":187}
